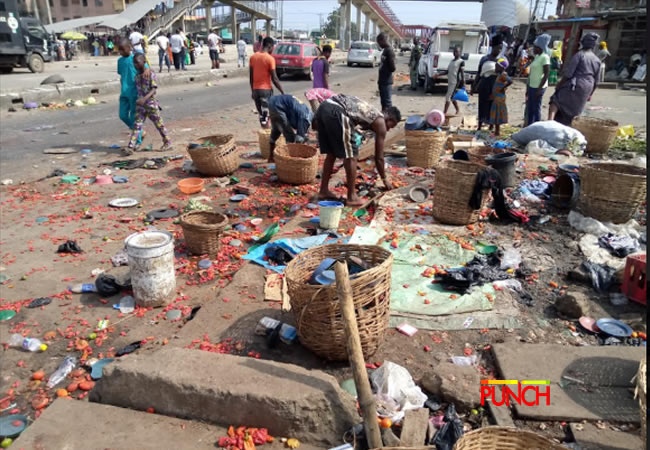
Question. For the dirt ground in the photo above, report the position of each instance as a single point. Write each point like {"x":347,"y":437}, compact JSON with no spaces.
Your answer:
{"x":39,"y":215}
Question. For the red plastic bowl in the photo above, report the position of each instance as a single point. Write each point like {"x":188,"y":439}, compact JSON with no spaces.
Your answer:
{"x":190,"y":185}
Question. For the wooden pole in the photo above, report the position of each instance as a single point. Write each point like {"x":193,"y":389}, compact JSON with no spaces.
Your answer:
{"x":366,"y":399}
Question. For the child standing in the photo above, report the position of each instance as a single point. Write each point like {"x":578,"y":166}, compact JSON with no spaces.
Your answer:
{"x":499,"y":110}
{"x":128,"y":92}
{"x":147,"y":106}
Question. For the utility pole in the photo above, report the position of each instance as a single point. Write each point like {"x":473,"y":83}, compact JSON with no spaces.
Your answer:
{"x":282,"y":19}
{"x":49,"y":11}
{"x":530,"y":21}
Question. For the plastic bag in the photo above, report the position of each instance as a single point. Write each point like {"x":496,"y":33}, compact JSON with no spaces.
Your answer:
{"x":393,"y":382}
{"x":461,"y":95}
{"x":625,"y":131}
{"x":602,"y":277}
{"x":511,"y":259}
{"x":553,"y":132}
{"x":593,"y":226}
{"x":450,"y":432}
{"x":108,"y":285}
{"x":540,"y":147}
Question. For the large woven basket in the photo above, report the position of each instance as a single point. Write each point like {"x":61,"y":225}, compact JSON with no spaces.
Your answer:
{"x":264,"y":140}
{"x":479,"y":154}
{"x":600,"y":133}
{"x":296,"y":163}
{"x":641,"y":391}
{"x":202,"y":231}
{"x":424,"y":148}
{"x":504,"y":438}
{"x":453,"y":188}
{"x":316,"y":308}
{"x":610,"y":191}
{"x":215,"y":156}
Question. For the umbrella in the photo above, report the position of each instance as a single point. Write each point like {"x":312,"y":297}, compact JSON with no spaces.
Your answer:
{"x":73,"y":36}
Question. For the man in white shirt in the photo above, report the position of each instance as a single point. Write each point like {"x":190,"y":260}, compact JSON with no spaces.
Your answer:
{"x":163,"y":42}
{"x":136,"y":41}
{"x":213,"y":46}
{"x":178,"y":50}
{"x":241,"y":52}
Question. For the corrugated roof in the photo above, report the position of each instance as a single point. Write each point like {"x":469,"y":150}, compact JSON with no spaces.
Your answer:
{"x":73,"y":24}
{"x":130,"y":15}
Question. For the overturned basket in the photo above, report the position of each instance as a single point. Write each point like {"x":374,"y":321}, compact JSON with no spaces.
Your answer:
{"x":202,"y":231}
{"x":215,"y":155}
{"x":479,"y":154}
{"x":264,"y":140}
{"x":296,"y":163}
{"x":600,"y":133}
{"x":424,"y":148}
{"x":504,"y":438}
{"x":316,"y":307}
{"x":452,"y":191}
{"x":626,"y":190}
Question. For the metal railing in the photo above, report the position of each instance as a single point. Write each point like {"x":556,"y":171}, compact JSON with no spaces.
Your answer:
{"x":171,"y":15}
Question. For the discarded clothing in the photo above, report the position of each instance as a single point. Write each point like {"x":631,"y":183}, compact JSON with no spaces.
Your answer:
{"x":278,"y":255}
{"x":620,"y":246}
{"x":42,"y":301}
{"x":69,"y":247}
{"x":120,"y":259}
{"x":539,"y":188}
{"x":480,"y":270}
{"x":602,"y":276}
{"x":108,"y":285}
{"x":490,"y":178}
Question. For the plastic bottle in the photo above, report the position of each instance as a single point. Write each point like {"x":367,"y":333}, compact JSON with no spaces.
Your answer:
{"x":64,"y":369}
{"x":127,"y":304}
{"x":82,"y":288}
{"x":31,"y":344}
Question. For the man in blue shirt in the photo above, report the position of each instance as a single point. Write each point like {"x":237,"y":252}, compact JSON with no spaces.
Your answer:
{"x":287,"y":113}
{"x":128,"y":92}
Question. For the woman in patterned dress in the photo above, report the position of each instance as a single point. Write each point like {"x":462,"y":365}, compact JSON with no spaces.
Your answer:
{"x":499,"y":110}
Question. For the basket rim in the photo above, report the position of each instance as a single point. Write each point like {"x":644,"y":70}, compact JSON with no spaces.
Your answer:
{"x":282,"y":151}
{"x":601,"y":166}
{"x":223,"y":222}
{"x":595,"y":121}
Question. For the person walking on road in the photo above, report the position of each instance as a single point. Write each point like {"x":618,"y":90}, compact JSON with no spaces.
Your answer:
{"x":147,"y":106}
{"x":261,"y":74}
{"x":335,"y":123}
{"x":136,"y":41}
{"x":386,"y":69}
{"x":602,"y":54}
{"x":320,"y":68}
{"x":241,"y":52}
{"x":484,"y":82}
{"x":538,"y":75}
{"x":414,"y":61}
{"x":257,"y":46}
{"x":176,"y":42}
{"x":163,"y":42}
{"x":213,"y":47}
{"x":287,"y":114}
{"x":128,"y":92}
{"x":455,"y":79}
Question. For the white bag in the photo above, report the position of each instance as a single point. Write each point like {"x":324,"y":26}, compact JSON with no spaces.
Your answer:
{"x":395,"y":387}
{"x":553,"y":132}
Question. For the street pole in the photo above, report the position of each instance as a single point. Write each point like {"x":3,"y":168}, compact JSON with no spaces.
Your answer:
{"x":530,"y":21}
{"x":49,"y":11}
{"x":282,"y":20}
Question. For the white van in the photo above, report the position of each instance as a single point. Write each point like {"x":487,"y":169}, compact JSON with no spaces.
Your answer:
{"x":472,"y":38}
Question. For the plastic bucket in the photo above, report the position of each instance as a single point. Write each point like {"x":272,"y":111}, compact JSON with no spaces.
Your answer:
{"x":151,"y":260}
{"x":330,"y":214}
{"x":504,"y":163}
{"x":564,"y":169}
{"x":566,"y":190}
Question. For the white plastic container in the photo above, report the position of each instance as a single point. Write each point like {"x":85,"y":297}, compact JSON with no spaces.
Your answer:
{"x":330,"y":214}
{"x":151,"y":260}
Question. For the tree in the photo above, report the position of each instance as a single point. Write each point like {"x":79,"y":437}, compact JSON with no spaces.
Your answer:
{"x":332,"y":25}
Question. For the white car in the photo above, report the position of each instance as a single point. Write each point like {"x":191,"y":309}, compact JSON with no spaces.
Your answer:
{"x":474,"y":41}
{"x":364,"y":53}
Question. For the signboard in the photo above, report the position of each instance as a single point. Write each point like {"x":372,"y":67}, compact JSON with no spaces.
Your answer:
{"x":582,"y":3}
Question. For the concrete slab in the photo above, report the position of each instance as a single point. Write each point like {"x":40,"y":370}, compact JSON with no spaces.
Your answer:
{"x":225,"y":390}
{"x":602,"y":390}
{"x":414,"y":427}
{"x":589,"y":437}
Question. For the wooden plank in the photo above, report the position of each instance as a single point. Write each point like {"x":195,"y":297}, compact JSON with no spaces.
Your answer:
{"x":273,"y":288}
{"x":414,"y":427}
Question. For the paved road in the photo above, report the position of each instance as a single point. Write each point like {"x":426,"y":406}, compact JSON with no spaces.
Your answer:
{"x":100,"y":122}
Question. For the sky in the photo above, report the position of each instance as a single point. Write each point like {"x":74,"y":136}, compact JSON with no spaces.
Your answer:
{"x":303,"y":14}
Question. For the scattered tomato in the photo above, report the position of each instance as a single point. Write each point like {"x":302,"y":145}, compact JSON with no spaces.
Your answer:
{"x":385,"y":423}
{"x":38,"y":375}
{"x":61,"y":393}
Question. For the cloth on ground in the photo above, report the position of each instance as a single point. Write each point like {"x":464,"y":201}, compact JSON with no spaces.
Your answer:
{"x":108,"y":284}
{"x":490,"y":178}
{"x":480,"y":270}
{"x":69,"y":247}
{"x":620,"y":246}
{"x":293,"y":246}
{"x":602,"y":277}
{"x":537,"y":187}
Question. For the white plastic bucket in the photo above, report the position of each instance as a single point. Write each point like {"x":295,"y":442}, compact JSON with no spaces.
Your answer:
{"x":151,"y":260}
{"x":330,"y":214}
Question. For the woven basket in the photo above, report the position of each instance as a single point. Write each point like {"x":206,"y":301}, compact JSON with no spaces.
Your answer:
{"x":453,"y":188}
{"x":424,"y":148}
{"x":642,"y":392}
{"x":202,"y":231}
{"x":611,"y":192}
{"x":264,"y":139}
{"x":216,"y":156}
{"x":504,"y":438}
{"x":479,"y":154}
{"x":296,"y":163}
{"x":600,"y":133}
{"x":316,"y":308}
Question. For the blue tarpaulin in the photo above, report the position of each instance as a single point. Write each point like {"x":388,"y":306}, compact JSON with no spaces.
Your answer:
{"x":294,"y":246}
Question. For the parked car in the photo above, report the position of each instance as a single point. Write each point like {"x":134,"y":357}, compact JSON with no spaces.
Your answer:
{"x":406,"y":46}
{"x":295,"y":57}
{"x":364,"y":53}
{"x":472,"y":38}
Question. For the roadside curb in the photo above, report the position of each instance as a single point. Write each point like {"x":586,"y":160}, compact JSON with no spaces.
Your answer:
{"x":77,"y":91}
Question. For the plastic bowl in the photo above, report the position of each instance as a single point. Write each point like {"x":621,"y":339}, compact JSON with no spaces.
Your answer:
{"x":190,"y":185}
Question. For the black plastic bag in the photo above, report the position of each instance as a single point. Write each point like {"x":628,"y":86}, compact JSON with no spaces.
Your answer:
{"x":108,"y":285}
{"x":41,"y":301}
{"x":69,"y":247}
{"x":602,"y":277}
{"x":450,"y":432}
{"x":133,"y":346}
{"x":482,"y":269}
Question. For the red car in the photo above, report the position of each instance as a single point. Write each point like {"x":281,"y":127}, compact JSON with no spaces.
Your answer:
{"x":295,"y":57}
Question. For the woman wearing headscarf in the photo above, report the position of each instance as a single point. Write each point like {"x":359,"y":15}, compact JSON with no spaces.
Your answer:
{"x":537,"y":79}
{"x":484,"y":83}
{"x":556,"y":62}
{"x":602,"y":54}
{"x":578,"y":83}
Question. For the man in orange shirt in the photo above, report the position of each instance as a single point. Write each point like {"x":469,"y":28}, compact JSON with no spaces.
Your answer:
{"x":261,"y":73}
